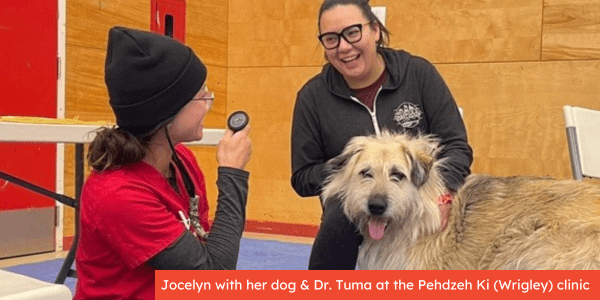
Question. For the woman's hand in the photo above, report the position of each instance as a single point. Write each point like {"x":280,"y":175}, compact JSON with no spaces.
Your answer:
{"x":234,"y":149}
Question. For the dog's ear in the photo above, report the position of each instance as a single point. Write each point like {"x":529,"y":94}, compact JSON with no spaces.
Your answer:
{"x":421,"y":164}
{"x":355,"y":146}
{"x":338,"y":163}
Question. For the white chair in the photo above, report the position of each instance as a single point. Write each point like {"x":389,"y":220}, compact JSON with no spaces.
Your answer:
{"x":583,"y":136}
{"x":19,"y":287}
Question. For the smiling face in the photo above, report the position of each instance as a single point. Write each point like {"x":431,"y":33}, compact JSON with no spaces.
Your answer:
{"x":358,"y":62}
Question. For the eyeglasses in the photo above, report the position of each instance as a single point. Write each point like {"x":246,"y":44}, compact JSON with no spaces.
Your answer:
{"x":351,"y":34}
{"x":209,"y":97}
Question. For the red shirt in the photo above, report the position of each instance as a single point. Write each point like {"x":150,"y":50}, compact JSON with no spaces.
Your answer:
{"x":128,"y":215}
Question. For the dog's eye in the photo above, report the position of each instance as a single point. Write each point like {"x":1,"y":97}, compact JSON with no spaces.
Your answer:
{"x":397,"y":176}
{"x":366,"y":174}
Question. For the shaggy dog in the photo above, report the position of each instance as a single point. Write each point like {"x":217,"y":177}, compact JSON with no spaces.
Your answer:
{"x":388,"y":186}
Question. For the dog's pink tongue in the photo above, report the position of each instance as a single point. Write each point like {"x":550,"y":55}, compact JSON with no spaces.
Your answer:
{"x":376,"y":229}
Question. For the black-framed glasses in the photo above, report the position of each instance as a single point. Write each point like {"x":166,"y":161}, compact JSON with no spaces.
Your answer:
{"x":209,"y":97}
{"x":351,"y":34}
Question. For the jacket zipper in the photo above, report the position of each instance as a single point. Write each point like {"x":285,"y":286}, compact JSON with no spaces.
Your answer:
{"x":372,"y":113}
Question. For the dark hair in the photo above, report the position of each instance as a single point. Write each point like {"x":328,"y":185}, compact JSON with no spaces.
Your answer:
{"x":113,"y":147}
{"x":363,"y":5}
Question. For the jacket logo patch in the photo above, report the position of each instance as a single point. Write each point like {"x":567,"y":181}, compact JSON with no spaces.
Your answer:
{"x":407,"y":115}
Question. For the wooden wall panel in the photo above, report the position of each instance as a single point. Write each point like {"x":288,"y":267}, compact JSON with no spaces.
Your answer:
{"x":217,"y":82}
{"x":466,"y":31}
{"x":271,"y":195}
{"x":571,"y":29}
{"x":206,"y":30}
{"x":88,"y":21}
{"x":513,"y":112}
{"x":69,"y":190}
{"x":86,"y":94}
{"x":442,"y":31}
{"x":273,"y":33}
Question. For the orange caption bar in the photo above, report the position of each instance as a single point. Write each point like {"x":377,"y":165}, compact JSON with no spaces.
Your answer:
{"x":440,"y":285}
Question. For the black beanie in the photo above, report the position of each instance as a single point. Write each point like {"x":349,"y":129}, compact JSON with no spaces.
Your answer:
{"x":149,"y":77}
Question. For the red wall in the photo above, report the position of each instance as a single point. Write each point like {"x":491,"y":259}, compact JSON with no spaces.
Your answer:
{"x":28,"y":80}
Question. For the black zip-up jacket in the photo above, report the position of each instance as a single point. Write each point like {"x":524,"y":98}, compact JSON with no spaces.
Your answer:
{"x":414,"y":98}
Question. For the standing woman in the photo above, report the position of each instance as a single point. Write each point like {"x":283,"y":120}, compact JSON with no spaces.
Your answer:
{"x":144,"y":207}
{"x":364,"y":89}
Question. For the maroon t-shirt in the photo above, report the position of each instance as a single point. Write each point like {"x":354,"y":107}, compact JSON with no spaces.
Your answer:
{"x":367,"y":95}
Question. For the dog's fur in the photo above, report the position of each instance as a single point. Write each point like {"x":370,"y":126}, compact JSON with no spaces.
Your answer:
{"x":495,"y":222}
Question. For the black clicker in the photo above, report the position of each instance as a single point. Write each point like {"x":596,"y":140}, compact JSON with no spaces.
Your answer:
{"x":237,"y":121}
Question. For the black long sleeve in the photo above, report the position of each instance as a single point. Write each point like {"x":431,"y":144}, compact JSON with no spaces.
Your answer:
{"x":223,"y":243}
{"x":308,"y":156}
{"x":446,"y":123}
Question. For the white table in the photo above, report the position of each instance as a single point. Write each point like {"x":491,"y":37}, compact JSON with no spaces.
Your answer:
{"x":19,"y":287}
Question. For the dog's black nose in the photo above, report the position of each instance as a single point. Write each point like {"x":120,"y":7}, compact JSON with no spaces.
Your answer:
{"x":377,"y":205}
